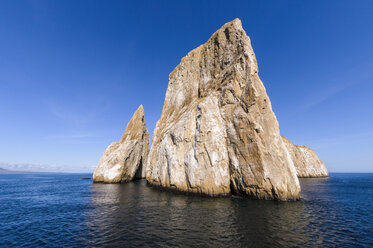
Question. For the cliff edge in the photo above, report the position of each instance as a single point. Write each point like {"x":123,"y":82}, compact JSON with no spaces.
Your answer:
{"x":306,"y":161}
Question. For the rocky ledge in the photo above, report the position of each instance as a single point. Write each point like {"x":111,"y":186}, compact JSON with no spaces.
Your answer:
{"x":305,"y":160}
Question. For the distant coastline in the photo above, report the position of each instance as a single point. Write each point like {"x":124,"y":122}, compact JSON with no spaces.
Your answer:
{"x":42,"y":168}
{"x":5,"y":171}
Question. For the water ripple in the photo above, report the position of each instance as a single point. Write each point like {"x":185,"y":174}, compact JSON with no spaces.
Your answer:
{"x":51,"y":210}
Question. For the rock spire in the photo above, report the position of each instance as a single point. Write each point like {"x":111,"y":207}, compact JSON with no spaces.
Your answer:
{"x":125,"y":160}
{"x":217,"y":133}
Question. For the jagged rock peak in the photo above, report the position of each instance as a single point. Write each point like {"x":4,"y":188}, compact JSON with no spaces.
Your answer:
{"x":217,"y":133}
{"x":126,"y":160}
{"x":136,"y":126}
{"x":305,"y":160}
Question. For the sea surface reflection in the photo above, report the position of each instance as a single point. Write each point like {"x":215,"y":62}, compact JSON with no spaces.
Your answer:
{"x":64,"y":210}
{"x":139,"y":215}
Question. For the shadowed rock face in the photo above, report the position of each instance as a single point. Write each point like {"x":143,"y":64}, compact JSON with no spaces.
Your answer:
{"x":126,"y":160}
{"x":217,"y":133}
{"x":306,"y":161}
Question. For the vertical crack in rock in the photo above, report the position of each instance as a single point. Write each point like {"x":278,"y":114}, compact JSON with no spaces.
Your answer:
{"x":126,"y":160}
{"x":228,"y":138}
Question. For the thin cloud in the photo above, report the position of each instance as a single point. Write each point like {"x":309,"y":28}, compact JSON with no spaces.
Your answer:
{"x":71,"y":114}
{"x":349,"y":79}
{"x":71,"y":136}
{"x":324,"y":95}
{"x":77,"y":109}
{"x":83,"y":138}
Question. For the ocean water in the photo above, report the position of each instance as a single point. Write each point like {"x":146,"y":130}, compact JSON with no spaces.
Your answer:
{"x":65,"y":210}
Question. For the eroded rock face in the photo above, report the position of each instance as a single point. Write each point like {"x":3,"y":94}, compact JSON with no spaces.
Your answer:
{"x":126,"y":160}
{"x":217,"y":133}
{"x":306,"y":161}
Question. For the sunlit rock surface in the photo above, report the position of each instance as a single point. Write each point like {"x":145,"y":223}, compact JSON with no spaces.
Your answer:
{"x":217,"y":133}
{"x":305,"y":160}
{"x":126,"y":160}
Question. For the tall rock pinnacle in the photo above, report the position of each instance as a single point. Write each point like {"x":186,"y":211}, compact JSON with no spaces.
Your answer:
{"x":126,"y":160}
{"x":217,"y":133}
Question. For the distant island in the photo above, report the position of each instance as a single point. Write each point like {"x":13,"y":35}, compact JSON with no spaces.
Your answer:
{"x":41,"y":168}
{"x":5,"y":171}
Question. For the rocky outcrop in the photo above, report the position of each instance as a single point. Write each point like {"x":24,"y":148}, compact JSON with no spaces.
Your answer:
{"x":305,"y":160}
{"x":125,"y":160}
{"x":217,"y":133}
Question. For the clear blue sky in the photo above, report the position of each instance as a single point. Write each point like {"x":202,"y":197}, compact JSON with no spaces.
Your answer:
{"x":72,"y":73}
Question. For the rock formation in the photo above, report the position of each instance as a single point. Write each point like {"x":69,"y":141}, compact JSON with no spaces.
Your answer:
{"x":305,"y":160}
{"x":126,"y":160}
{"x":217,"y":133}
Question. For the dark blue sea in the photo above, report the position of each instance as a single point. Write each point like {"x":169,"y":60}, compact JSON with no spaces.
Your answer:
{"x":65,"y":210}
